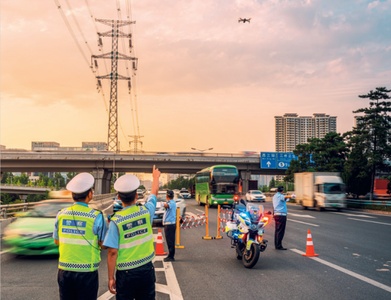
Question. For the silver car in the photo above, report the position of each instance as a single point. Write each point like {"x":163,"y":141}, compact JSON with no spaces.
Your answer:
{"x":255,"y":195}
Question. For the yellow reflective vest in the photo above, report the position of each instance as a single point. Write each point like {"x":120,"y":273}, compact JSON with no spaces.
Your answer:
{"x":79,"y":248}
{"x":135,"y":237}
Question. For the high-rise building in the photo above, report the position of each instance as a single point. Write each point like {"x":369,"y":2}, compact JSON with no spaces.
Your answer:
{"x":292,"y":130}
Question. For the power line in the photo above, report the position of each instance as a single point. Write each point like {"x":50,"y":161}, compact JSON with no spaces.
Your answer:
{"x":132,"y":100}
{"x":78,"y":46}
{"x":93,"y":65}
{"x":71,"y":31}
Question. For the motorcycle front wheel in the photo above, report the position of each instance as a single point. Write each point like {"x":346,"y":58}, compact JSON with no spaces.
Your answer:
{"x":239,"y":251}
{"x":250,"y":258}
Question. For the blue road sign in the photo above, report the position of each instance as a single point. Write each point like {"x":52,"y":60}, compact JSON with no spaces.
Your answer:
{"x":276,"y":160}
{"x":268,"y":160}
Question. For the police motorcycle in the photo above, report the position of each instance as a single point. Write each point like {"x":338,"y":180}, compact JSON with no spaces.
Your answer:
{"x":246,"y":230}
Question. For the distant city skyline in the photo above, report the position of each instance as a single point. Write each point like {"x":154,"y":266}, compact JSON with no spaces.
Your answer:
{"x":203,"y":80}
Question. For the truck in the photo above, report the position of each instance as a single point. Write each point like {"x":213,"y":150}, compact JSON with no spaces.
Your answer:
{"x":320,"y":190}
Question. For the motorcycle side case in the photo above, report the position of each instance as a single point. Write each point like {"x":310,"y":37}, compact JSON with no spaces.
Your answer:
{"x":231,"y":226}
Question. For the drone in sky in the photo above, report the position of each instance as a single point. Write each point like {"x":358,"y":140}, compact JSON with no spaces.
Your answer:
{"x":244,"y":20}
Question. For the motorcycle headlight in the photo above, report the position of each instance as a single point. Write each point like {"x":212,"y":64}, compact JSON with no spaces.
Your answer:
{"x":253,"y":227}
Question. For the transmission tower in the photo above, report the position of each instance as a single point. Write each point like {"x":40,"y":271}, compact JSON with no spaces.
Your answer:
{"x":114,"y":55}
{"x":136,"y":141}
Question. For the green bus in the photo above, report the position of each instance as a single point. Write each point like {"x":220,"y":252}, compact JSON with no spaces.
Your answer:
{"x":217,"y":184}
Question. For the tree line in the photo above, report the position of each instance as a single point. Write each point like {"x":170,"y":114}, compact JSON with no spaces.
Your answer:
{"x":360,"y":155}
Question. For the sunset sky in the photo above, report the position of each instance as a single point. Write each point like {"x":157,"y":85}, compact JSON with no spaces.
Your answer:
{"x":204,"y":80}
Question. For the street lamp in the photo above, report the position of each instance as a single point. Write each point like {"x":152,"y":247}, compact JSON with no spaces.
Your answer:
{"x":201,"y":150}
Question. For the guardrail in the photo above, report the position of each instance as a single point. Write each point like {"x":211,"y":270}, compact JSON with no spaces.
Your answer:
{"x":369,"y":204}
{"x":9,"y":210}
{"x":384,"y":205}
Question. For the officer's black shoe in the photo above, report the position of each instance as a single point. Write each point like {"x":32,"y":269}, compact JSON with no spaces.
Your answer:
{"x":166,"y":259}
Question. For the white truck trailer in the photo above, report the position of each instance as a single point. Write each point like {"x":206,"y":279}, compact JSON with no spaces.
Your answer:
{"x":320,"y":190}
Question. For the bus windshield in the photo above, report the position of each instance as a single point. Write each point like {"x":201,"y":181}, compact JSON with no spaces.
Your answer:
{"x":225,"y":175}
{"x":217,"y":184}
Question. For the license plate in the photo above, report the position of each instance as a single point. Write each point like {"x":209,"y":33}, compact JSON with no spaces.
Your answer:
{"x":225,"y":202}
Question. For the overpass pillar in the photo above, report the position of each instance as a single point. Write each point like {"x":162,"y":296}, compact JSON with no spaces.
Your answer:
{"x":102,"y":181}
{"x":246,"y":176}
{"x":23,"y":197}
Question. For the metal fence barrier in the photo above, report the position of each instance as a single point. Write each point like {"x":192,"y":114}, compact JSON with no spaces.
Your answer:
{"x":369,"y":204}
{"x":9,"y":210}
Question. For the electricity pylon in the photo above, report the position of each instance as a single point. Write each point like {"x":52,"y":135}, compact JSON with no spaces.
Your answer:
{"x":114,"y":55}
{"x":136,"y":141}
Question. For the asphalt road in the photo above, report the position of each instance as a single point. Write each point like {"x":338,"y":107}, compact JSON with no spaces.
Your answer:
{"x":354,"y":262}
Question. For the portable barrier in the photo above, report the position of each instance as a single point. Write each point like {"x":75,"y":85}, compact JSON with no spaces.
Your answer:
{"x":224,"y":216}
{"x":187,"y":223}
{"x":190,"y":222}
{"x":177,"y":231}
{"x":207,"y":236}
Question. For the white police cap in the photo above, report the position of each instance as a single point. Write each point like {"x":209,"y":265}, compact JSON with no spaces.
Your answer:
{"x":126,"y":183}
{"x":81,"y":183}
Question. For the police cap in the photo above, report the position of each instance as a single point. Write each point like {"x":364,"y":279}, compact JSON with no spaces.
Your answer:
{"x":81,"y":183}
{"x":280,"y":188}
{"x":170,"y":193}
{"x":126,"y":183}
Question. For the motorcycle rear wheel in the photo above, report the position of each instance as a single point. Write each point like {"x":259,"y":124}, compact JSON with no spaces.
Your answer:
{"x":251,"y":257}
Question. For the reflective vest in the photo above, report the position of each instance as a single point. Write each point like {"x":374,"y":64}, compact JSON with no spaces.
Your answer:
{"x":135,"y":237}
{"x":79,"y":248}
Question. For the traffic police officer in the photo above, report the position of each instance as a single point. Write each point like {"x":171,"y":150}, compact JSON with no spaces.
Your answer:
{"x":130,"y":242}
{"x":169,"y":223}
{"x":280,"y":213}
{"x":79,"y":231}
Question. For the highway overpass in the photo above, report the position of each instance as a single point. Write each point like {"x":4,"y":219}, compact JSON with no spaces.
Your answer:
{"x":103,"y":164}
{"x":22,"y":190}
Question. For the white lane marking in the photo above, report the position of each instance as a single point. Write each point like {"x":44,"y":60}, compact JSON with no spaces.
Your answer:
{"x":303,"y":216}
{"x":106,"y":296}
{"x":389,"y":224}
{"x":171,"y":288}
{"x":354,"y":215}
{"x":3,"y":252}
{"x":348,"y":272}
{"x":310,"y":224}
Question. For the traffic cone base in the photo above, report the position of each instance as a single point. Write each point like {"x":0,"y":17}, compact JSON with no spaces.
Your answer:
{"x":159,"y":250}
{"x":310,"y":250}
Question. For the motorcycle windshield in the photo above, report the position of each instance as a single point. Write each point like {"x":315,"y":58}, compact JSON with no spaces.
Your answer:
{"x":254,"y":211}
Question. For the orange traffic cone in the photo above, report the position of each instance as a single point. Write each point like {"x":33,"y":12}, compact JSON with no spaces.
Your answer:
{"x":310,"y":251}
{"x":159,"y":250}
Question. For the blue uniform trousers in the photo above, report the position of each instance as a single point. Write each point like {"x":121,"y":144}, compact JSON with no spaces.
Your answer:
{"x":138,"y":283}
{"x":78,"y":285}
